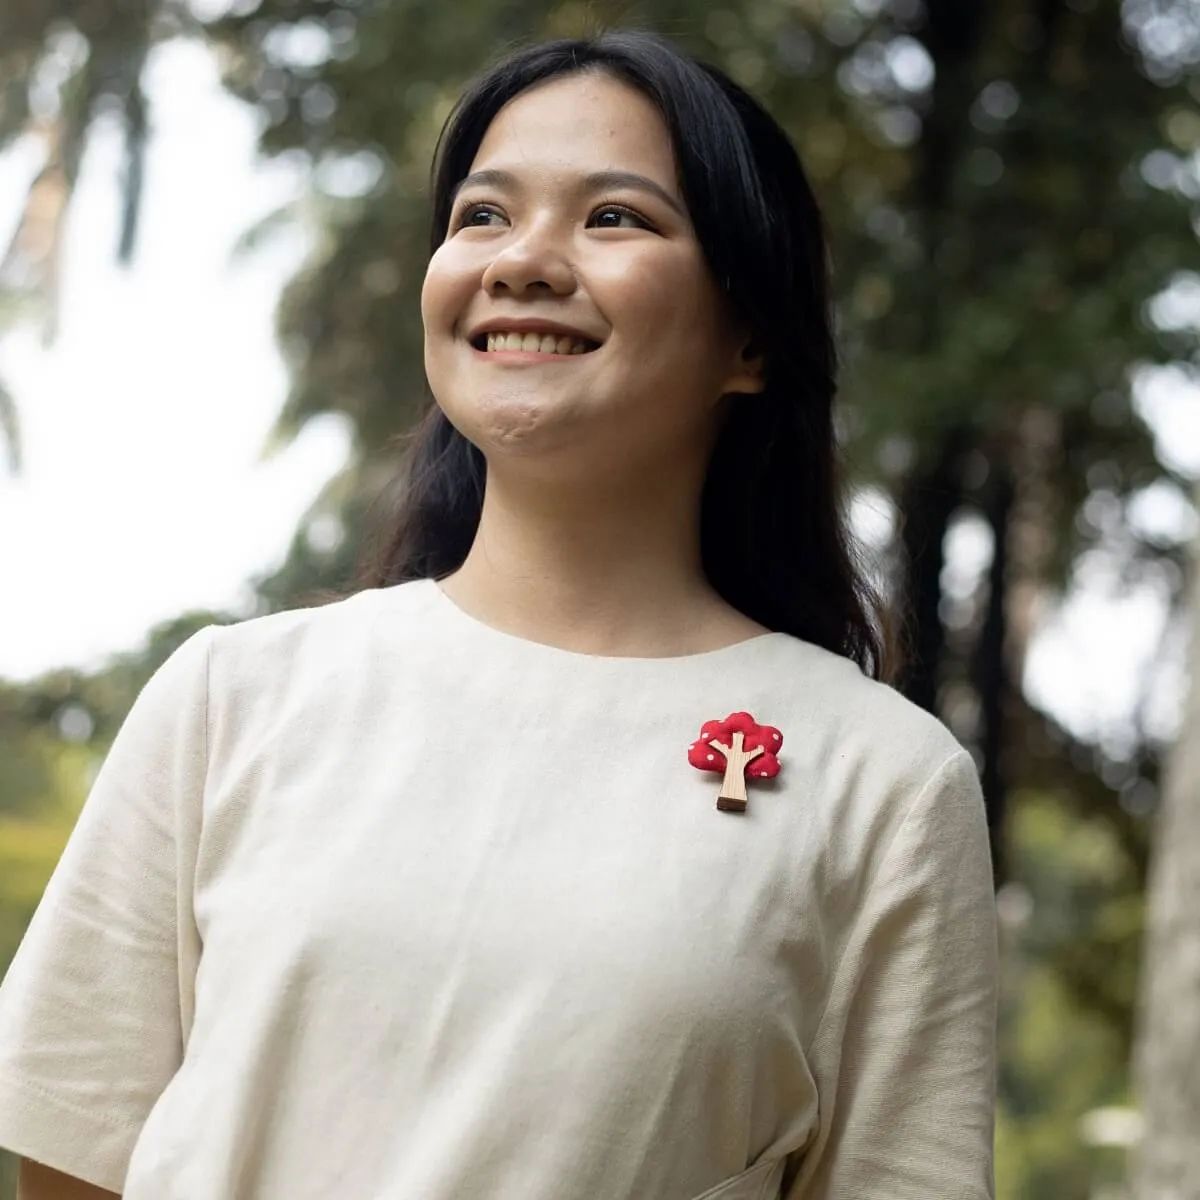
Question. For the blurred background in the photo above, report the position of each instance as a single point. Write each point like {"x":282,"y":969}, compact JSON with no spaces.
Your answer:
{"x":213,"y":221}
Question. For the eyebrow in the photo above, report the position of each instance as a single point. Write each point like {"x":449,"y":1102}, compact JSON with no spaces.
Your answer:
{"x":597,"y":181}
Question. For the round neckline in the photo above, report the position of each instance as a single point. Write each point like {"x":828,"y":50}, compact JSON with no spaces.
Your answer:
{"x":514,"y":641}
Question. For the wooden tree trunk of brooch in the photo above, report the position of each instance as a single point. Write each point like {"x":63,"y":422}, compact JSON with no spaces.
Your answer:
{"x":733,"y":787}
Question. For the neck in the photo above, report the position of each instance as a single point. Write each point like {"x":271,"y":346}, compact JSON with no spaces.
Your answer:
{"x":609,"y":569}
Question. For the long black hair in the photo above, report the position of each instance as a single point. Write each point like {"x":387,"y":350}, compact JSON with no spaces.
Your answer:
{"x":774,"y":542}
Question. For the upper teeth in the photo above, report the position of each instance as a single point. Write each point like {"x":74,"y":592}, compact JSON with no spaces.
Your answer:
{"x":543,"y":343}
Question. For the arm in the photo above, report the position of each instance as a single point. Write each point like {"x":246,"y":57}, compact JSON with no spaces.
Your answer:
{"x":38,"y":1182}
{"x":904,"y":1057}
{"x":95,"y":1005}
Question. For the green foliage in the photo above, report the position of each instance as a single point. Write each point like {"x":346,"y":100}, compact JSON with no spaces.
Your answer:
{"x":28,"y":851}
{"x":1088,"y":886}
{"x":1076,"y":908}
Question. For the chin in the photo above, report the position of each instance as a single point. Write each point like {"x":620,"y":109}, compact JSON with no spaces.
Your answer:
{"x":509,"y":426}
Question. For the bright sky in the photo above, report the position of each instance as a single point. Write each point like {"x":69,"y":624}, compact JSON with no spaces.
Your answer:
{"x":144,"y":492}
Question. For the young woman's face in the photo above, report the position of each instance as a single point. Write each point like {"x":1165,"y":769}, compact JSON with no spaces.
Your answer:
{"x":569,"y":313}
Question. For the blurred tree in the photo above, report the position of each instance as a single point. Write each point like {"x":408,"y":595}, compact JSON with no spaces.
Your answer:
{"x":10,"y":429}
{"x":1168,"y":1067}
{"x":64,"y":65}
{"x":995,"y":328}
{"x":1073,"y":899}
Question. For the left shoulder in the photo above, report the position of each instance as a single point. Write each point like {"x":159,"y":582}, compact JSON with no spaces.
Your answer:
{"x":862,"y":724}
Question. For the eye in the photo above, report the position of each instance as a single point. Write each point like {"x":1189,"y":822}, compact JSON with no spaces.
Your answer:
{"x":478,"y":216}
{"x":617,"y":216}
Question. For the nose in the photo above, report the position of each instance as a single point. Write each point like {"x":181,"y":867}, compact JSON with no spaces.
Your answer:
{"x":533,"y":264}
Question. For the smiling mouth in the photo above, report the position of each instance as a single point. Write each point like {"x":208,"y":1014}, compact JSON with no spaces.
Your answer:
{"x":534,"y":343}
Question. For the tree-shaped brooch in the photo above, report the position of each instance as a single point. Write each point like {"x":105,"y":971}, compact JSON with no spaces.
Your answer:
{"x":736,"y":747}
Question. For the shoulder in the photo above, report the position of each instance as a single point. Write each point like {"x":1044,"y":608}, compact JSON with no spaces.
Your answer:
{"x":888,"y":800}
{"x":315,"y":622}
{"x":254,"y":662}
{"x":856,"y":718}
{"x":260,"y":642}
{"x":866,"y":762}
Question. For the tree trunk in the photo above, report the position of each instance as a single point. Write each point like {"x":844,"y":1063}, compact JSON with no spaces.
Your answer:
{"x":733,"y":786}
{"x":951,"y":34}
{"x":1167,"y":1054}
{"x":931,"y":497}
{"x":991,"y":676}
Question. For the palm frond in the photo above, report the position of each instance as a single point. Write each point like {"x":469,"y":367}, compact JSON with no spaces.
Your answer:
{"x":111,"y":70}
{"x":286,"y":216}
{"x":10,"y":429}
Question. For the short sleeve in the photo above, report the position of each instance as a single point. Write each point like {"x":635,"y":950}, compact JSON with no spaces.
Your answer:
{"x":905,"y":1055}
{"x":94,"y":1007}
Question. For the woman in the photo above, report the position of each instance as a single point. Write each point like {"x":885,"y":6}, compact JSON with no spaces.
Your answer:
{"x":586,"y":858}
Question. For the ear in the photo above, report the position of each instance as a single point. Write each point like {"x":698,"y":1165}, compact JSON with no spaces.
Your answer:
{"x":747,"y":375}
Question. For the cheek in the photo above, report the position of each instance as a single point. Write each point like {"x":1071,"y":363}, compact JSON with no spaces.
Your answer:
{"x":450,"y":281}
{"x":666,"y":302}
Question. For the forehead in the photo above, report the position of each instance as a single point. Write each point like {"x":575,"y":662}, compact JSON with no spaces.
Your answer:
{"x":587,"y":121}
